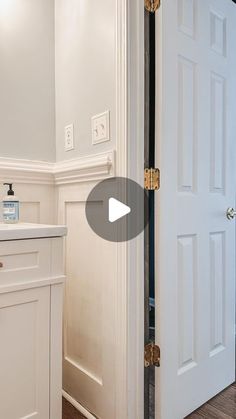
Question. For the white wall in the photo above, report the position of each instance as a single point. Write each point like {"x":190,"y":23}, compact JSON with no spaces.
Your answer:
{"x":83,"y":40}
{"x":85,"y":71}
{"x":27,"y":98}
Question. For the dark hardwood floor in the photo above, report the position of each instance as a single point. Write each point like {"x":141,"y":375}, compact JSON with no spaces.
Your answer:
{"x":223,"y":406}
{"x":69,"y":412}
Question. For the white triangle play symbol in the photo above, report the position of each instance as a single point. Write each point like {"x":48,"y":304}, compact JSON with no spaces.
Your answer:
{"x":117,"y":210}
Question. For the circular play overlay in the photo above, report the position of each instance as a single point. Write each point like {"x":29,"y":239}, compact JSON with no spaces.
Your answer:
{"x":115,"y":209}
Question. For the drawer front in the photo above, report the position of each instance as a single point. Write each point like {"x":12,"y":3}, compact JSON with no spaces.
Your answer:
{"x":25,"y":260}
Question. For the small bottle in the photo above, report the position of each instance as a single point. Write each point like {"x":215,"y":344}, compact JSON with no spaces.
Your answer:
{"x":10,"y":206}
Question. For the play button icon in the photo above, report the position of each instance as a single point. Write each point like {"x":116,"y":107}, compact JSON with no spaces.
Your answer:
{"x":115,"y":209}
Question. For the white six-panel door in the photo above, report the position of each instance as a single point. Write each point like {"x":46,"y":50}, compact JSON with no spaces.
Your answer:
{"x":196,"y":137}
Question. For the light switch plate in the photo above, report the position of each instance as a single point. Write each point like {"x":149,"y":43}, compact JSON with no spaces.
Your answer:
{"x":69,"y":137}
{"x":101,"y":128}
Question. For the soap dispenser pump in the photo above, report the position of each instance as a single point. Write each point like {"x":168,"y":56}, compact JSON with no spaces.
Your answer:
{"x":10,"y":206}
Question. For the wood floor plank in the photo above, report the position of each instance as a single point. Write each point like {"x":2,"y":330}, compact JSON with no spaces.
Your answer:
{"x":195,"y":416}
{"x":226,"y":402}
{"x":69,"y":412}
{"x":210,"y":412}
{"x":223,"y":406}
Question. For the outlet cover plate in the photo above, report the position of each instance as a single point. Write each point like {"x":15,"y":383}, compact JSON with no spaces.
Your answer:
{"x":69,"y":137}
{"x":101,"y":128}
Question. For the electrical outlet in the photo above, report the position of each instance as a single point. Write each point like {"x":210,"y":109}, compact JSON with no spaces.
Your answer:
{"x":69,"y":137}
{"x":101,"y":128}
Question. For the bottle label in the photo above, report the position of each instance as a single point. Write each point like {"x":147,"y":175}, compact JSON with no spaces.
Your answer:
{"x":10,"y":211}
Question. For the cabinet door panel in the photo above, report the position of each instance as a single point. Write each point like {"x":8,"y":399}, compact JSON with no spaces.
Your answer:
{"x":24,"y":354}
{"x":25,"y":260}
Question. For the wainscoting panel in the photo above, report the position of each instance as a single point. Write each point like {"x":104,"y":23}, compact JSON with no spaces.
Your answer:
{"x":33,"y":183}
{"x":90,"y":300}
{"x":38,"y":203}
{"x":90,"y":306}
{"x":30,"y":212}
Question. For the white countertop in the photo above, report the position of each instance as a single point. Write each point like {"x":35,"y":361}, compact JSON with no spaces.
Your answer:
{"x":22,"y":231}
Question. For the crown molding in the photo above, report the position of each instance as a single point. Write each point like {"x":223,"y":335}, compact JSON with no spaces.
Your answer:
{"x":83,"y":169}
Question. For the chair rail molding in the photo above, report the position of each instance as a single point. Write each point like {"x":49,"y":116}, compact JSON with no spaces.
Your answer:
{"x":26,"y":171}
{"x":82,"y":169}
{"x":85,"y":169}
{"x":36,"y":182}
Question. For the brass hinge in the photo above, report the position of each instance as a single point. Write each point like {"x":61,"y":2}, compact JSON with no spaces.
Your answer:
{"x":152,"y":355}
{"x":152,"y":5}
{"x":152,"y":179}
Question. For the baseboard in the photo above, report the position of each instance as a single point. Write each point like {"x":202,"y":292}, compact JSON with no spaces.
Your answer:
{"x":77,"y":406}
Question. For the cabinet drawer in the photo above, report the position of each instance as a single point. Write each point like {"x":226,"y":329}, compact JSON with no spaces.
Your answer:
{"x":26,"y":260}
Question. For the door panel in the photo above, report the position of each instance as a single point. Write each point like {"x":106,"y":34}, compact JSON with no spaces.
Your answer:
{"x":196,"y":91}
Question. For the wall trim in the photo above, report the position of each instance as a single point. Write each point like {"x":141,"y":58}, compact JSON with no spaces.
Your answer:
{"x":122,"y":279}
{"x":87,"y":168}
{"x":135,"y":258}
{"x":83,"y":370}
{"x":77,"y":406}
{"x":26,"y":171}
{"x":83,"y":169}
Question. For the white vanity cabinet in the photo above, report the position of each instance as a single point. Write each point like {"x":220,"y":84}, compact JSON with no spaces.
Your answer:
{"x":31,"y":292}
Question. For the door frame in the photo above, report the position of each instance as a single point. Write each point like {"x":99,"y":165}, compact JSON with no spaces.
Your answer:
{"x":130,"y":255}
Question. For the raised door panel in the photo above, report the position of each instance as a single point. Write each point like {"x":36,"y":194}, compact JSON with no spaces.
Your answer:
{"x":217,"y":288}
{"x":187,"y":161}
{"x":218,"y":134}
{"x":218,"y":31}
{"x":24,"y":354}
{"x":187,"y":250}
{"x":187,"y":17}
